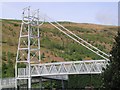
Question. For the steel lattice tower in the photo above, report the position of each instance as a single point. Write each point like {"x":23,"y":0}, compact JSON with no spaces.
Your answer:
{"x":29,"y":44}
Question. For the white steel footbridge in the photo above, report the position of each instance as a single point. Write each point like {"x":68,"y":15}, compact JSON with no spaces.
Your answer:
{"x":28,"y":52}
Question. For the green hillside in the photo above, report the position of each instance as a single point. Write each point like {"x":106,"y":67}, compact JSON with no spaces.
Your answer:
{"x":56,"y":47}
{"x":60,"y":46}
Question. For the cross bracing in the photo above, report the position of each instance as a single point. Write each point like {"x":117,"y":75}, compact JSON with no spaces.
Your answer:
{"x":64,"y":68}
{"x":29,"y":51}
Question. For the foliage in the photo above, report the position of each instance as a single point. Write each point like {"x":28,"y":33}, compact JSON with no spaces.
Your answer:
{"x":8,"y":69}
{"x":57,"y":43}
{"x":4,"y":69}
{"x":4,"y":56}
{"x":42,"y":56}
{"x":111,"y":75}
{"x":81,"y":81}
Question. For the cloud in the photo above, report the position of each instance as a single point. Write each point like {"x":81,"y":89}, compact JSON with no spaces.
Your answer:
{"x":107,"y":17}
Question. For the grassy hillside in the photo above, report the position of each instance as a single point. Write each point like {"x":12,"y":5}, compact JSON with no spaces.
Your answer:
{"x":55,"y":46}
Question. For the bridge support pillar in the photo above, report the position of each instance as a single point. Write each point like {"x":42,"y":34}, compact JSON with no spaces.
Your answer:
{"x":16,"y":83}
{"x":40,"y":83}
{"x":29,"y":83}
{"x":62,"y":84}
{"x":51,"y":84}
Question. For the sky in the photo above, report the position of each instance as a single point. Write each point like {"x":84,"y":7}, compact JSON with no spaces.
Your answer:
{"x":105,"y":13}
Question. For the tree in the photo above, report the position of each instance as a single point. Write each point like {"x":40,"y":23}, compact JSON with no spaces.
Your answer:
{"x":4,"y":69}
{"x":10,"y":70}
{"x":111,"y":75}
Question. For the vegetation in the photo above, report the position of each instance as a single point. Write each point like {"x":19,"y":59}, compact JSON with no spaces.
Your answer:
{"x":8,"y":67}
{"x":111,"y":75}
{"x":55,"y":46}
{"x":81,"y":81}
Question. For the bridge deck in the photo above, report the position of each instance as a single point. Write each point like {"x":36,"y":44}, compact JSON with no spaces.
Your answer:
{"x":59,"y":70}
{"x":64,"y":68}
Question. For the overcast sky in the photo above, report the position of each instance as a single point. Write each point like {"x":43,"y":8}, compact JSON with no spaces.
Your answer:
{"x":81,"y":12}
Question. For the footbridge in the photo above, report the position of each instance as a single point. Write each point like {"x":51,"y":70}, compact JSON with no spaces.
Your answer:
{"x":64,"y":68}
{"x":58,"y":71}
{"x":28,"y":52}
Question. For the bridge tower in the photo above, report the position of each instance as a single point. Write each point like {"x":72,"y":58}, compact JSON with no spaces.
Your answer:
{"x":29,"y":45}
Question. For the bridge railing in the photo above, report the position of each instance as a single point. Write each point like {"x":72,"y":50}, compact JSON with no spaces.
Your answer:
{"x":7,"y":81}
{"x":10,"y":82}
{"x":65,"y":68}
{"x":22,"y":72}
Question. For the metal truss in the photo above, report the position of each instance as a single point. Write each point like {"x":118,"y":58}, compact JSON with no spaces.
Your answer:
{"x":29,"y":42}
{"x":65,"y":68}
{"x":28,"y":52}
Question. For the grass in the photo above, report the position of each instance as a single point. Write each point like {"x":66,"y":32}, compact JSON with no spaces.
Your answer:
{"x":57,"y":40}
{"x":59,"y":44}
{"x":55,"y":46}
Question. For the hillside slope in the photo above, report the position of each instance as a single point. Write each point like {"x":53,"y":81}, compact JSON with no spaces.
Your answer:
{"x":55,"y":46}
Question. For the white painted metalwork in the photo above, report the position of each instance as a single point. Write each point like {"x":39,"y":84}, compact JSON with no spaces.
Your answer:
{"x":65,"y":68}
{"x":29,"y":52}
{"x":78,"y":39}
{"x":7,"y":82}
{"x":29,"y":43}
{"x":10,"y":82}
